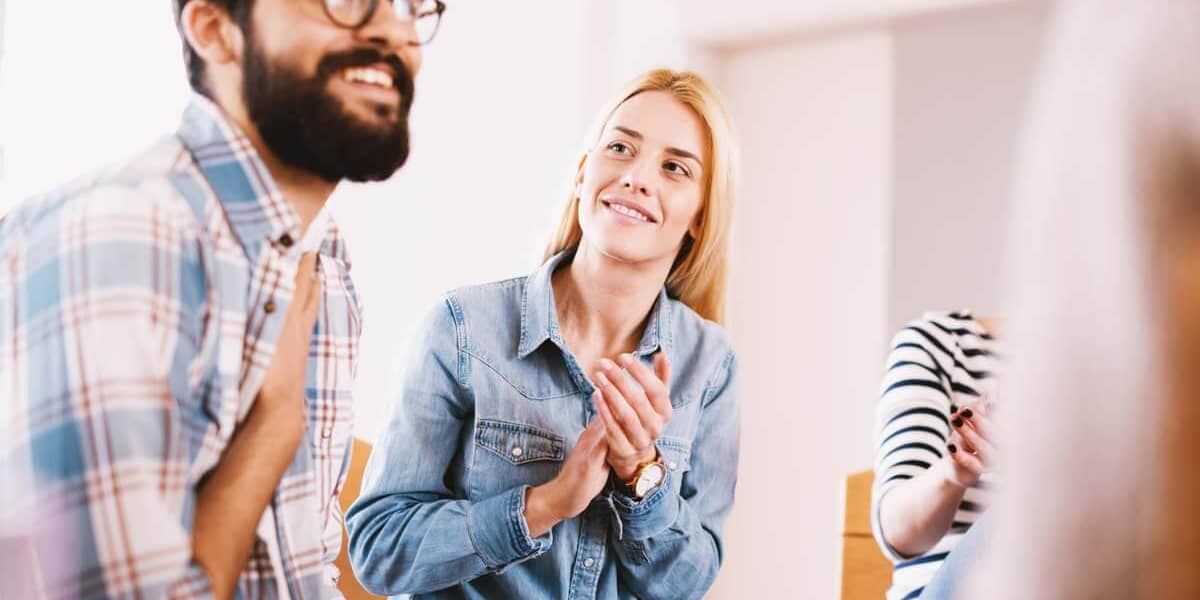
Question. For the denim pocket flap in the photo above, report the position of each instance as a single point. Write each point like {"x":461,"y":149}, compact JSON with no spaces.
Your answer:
{"x":516,"y":443}
{"x":676,"y":453}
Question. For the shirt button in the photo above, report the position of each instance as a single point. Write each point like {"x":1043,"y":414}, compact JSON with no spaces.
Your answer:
{"x":286,"y":241}
{"x":673,"y":466}
{"x":269,"y":307}
{"x":589,"y":563}
{"x":326,"y":431}
{"x":517,"y":452}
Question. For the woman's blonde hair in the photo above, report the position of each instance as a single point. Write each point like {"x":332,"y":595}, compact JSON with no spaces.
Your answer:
{"x":698,"y":277}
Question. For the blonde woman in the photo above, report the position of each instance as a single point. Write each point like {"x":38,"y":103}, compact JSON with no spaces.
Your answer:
{"x":574,"y":433}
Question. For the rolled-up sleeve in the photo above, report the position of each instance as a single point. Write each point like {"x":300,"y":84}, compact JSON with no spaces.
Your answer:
{"x":670,"y":544}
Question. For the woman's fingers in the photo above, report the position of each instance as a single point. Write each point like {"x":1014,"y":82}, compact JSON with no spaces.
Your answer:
{"x":592,"y":435}
{"x":662,"y":367}
{"x":618,"y":442}
{"x":592,"y":441}
{"x":653,"y":384}
{"x":634,"y":395}
{"x":962,"y":455}
{"x":978,"y":420}
{"x":972,"y":442}
{"x":623,"y":413}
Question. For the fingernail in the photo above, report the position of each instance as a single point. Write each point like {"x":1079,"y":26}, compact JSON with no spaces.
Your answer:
{"x":953,"y":409}
{"x":952,"y":448}
{"x":958,"y":423}
{"x":626,"y":358}
{"x":967,"y":413}
{"x":607,"y":364}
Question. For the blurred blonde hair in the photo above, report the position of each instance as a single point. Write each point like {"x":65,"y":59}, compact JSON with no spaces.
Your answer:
{"x":699,"y":276}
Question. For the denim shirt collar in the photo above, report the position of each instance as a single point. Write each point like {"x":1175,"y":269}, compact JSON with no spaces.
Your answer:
{"x":539,"y":319}
{"x":254,"y":206}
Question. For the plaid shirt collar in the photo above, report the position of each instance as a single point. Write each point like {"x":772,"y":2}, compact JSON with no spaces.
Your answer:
{"x":254,"y":206}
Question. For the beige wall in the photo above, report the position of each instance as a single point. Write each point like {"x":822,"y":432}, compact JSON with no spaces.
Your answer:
{"x":807,"y":306}
{"x":962,"y":81}
{"x":877,"y":166}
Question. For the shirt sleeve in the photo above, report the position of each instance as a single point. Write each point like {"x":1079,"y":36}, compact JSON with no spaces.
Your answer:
{"x":409,"y":532}
{"x":103,"y":304}
{"x":671,"y":544}
{"x":911,"y":420}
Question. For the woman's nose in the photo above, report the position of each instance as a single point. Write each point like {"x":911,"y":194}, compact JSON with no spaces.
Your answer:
{"x":632,"y":182}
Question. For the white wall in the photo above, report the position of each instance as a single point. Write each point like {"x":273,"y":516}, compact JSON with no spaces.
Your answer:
{"x":3,"y":45}
{"x":75,"y":95}
{"x":808,"y":298}
{"x":962,"y":81}
{"x":725,"y":24}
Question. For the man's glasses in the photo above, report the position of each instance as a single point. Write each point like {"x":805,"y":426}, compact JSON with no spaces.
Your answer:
{"x":425,"y":15}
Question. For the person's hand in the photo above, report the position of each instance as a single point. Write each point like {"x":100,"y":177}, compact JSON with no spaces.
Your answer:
{"x":282,"y":393}
{"x":581,"y":479}
{"x":635,"y":405}
{"x":970,"y":448}
{"x":231,"y":498}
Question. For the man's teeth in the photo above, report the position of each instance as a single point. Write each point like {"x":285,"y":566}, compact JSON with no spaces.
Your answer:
{"x":629,"y":212}
{"x":369,"y":76}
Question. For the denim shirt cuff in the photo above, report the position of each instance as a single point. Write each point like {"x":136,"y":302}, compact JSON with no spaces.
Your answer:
{"x":645,"y":518}
{"x":499,"y":531}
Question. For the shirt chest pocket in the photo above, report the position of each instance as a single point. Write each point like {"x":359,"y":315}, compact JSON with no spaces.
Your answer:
{"x":676,"y":457}
{"x":507,"y":455}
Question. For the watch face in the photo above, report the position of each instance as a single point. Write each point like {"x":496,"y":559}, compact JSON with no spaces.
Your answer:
{"x":650,"y":478}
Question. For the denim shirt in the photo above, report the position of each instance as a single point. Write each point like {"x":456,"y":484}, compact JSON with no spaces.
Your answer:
{"x":491,"y":404}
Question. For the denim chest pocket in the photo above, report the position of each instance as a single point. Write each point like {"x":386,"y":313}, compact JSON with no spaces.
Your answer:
{"x":508,"y":455}
{"x":677,"y":457}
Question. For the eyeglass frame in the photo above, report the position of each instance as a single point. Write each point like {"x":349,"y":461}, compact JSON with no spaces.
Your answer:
{"x":438,"y":11}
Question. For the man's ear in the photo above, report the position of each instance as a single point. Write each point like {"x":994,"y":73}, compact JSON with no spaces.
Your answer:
{"x":211,"y":32}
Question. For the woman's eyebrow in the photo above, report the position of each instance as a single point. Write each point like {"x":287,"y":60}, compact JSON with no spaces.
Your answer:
{"x":633,"y":133}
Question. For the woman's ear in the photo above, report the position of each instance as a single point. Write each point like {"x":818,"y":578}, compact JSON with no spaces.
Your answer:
{"x":211,"y":33}
{"x":579,"y":169}
{"x":579,"y":173}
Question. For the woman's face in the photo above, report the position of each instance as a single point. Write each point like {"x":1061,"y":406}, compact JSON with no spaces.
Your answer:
{"x":641,"y":187}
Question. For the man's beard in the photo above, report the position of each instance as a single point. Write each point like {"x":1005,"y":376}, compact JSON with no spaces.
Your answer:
{"x":305,"y":125}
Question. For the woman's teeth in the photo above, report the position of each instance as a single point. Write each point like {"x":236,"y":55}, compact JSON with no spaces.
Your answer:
{"x":629,"y":212}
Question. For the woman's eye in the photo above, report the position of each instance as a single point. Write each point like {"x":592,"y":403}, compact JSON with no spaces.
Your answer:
{"x":677,"y":169}
{"x":619,"y":148}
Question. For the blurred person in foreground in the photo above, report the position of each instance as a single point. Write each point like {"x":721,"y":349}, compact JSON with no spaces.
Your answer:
{"x":1101,"y":417}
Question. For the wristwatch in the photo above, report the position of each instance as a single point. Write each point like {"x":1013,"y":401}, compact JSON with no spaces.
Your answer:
{"x":647,"y":478}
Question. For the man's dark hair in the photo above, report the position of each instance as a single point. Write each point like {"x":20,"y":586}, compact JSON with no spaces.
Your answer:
{"x":238,"y":10}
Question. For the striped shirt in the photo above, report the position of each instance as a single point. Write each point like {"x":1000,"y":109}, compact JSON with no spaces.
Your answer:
{"x":939,"y":360}
{"x":139,"y":311}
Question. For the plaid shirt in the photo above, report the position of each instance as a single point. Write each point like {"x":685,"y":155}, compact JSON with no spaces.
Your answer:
{"x":139,"y":311}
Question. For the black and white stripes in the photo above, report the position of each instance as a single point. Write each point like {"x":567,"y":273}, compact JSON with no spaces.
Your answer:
{"x":940,"y":360}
